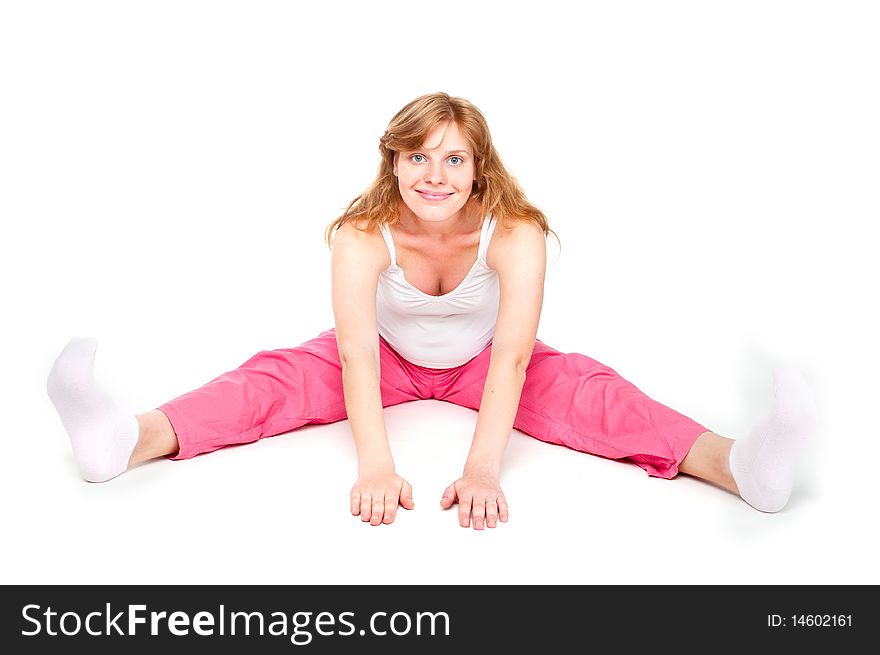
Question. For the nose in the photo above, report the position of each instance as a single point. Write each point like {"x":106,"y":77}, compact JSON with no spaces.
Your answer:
{"x":435,"y":174}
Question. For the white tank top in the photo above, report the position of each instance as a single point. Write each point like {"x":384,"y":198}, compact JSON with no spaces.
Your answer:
{"x":439,"y":331}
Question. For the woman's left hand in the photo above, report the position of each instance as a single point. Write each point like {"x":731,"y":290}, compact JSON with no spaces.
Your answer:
{"x":477,"y":494}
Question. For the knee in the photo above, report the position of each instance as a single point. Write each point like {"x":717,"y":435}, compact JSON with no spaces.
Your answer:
{"x":277,"y":365}
{"x":578,"y":365}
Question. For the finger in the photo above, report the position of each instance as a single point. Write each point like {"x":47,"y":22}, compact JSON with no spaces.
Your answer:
{"x":464,"y":512}
{"x":406,"y":498}
{"x":448,"y":496}
{"x":391,"y":499}
{"x":479,"y":511}
{"x":378,"y":509}
{"x":491,"y":513}
{"x":366,"y":506}
{"x":503,"y":514}
{"x":355,"y":501}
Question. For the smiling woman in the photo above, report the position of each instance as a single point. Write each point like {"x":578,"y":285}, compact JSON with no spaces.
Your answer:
{"x":437,"y":287}
{"x":441,"y":180}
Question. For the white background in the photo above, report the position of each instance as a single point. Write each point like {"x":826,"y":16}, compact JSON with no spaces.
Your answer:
{"x":168,"y":169}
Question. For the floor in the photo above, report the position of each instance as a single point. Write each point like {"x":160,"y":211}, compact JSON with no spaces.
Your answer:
{"x":276,"y":512}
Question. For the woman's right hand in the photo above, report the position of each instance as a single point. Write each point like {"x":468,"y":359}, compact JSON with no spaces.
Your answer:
{"x":376,"y":494}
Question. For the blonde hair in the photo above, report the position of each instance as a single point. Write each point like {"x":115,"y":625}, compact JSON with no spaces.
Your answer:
{"x":496,"y":189}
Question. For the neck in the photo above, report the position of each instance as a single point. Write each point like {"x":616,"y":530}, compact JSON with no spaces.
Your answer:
{"x":461,"y":221}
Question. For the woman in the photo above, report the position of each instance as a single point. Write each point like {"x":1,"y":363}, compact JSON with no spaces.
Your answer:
{"x":437,"y":277}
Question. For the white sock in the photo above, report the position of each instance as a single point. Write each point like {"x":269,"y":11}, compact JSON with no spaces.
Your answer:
{"x":763,"y":464}
{"x":102,"y":435}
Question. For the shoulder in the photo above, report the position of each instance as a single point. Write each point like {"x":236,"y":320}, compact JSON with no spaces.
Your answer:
{"x":521,"y":241}
{"x":356,"y":242}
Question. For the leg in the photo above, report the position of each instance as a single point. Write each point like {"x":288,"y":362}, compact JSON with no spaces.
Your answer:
{"x":575,"y":401}
{"x":156,"y":438}
{"x":708,"y":459}
{"x":273,"y":392}
{"x":759,"y":467}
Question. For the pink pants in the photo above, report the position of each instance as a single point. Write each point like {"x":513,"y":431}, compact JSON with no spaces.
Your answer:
{"x":567,"y":399}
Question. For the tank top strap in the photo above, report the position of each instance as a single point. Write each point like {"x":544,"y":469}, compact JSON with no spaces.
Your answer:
{"x":386,"y":233}
{"x":486,"y":236}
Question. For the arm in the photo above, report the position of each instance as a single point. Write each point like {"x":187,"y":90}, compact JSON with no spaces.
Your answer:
{"x":357,"y":259}
{"x":520,"y":259}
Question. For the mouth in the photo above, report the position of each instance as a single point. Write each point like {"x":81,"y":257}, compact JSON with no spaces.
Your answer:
{"x":434,"y":197}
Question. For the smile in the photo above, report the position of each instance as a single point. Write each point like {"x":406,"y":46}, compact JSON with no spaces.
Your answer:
{"x":435,"y":197}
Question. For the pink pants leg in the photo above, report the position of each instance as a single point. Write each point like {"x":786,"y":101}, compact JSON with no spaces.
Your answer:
{"x":276,"y":391}
{"x":567,"y":399}
{"x":572,"y":400}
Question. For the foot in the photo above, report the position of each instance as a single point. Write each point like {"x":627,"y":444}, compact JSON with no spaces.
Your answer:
{"x":763,"y":464}
{"x":102,"y":435}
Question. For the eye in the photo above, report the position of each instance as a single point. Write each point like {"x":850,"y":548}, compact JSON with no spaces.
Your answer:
{"x":456,"y":157}
{"x":412,"y":158}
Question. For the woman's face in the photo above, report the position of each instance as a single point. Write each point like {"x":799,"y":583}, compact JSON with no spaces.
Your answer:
{"x":435,"y":182}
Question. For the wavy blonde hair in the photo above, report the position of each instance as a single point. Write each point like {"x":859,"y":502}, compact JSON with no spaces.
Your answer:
{"x":496,"y":189}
